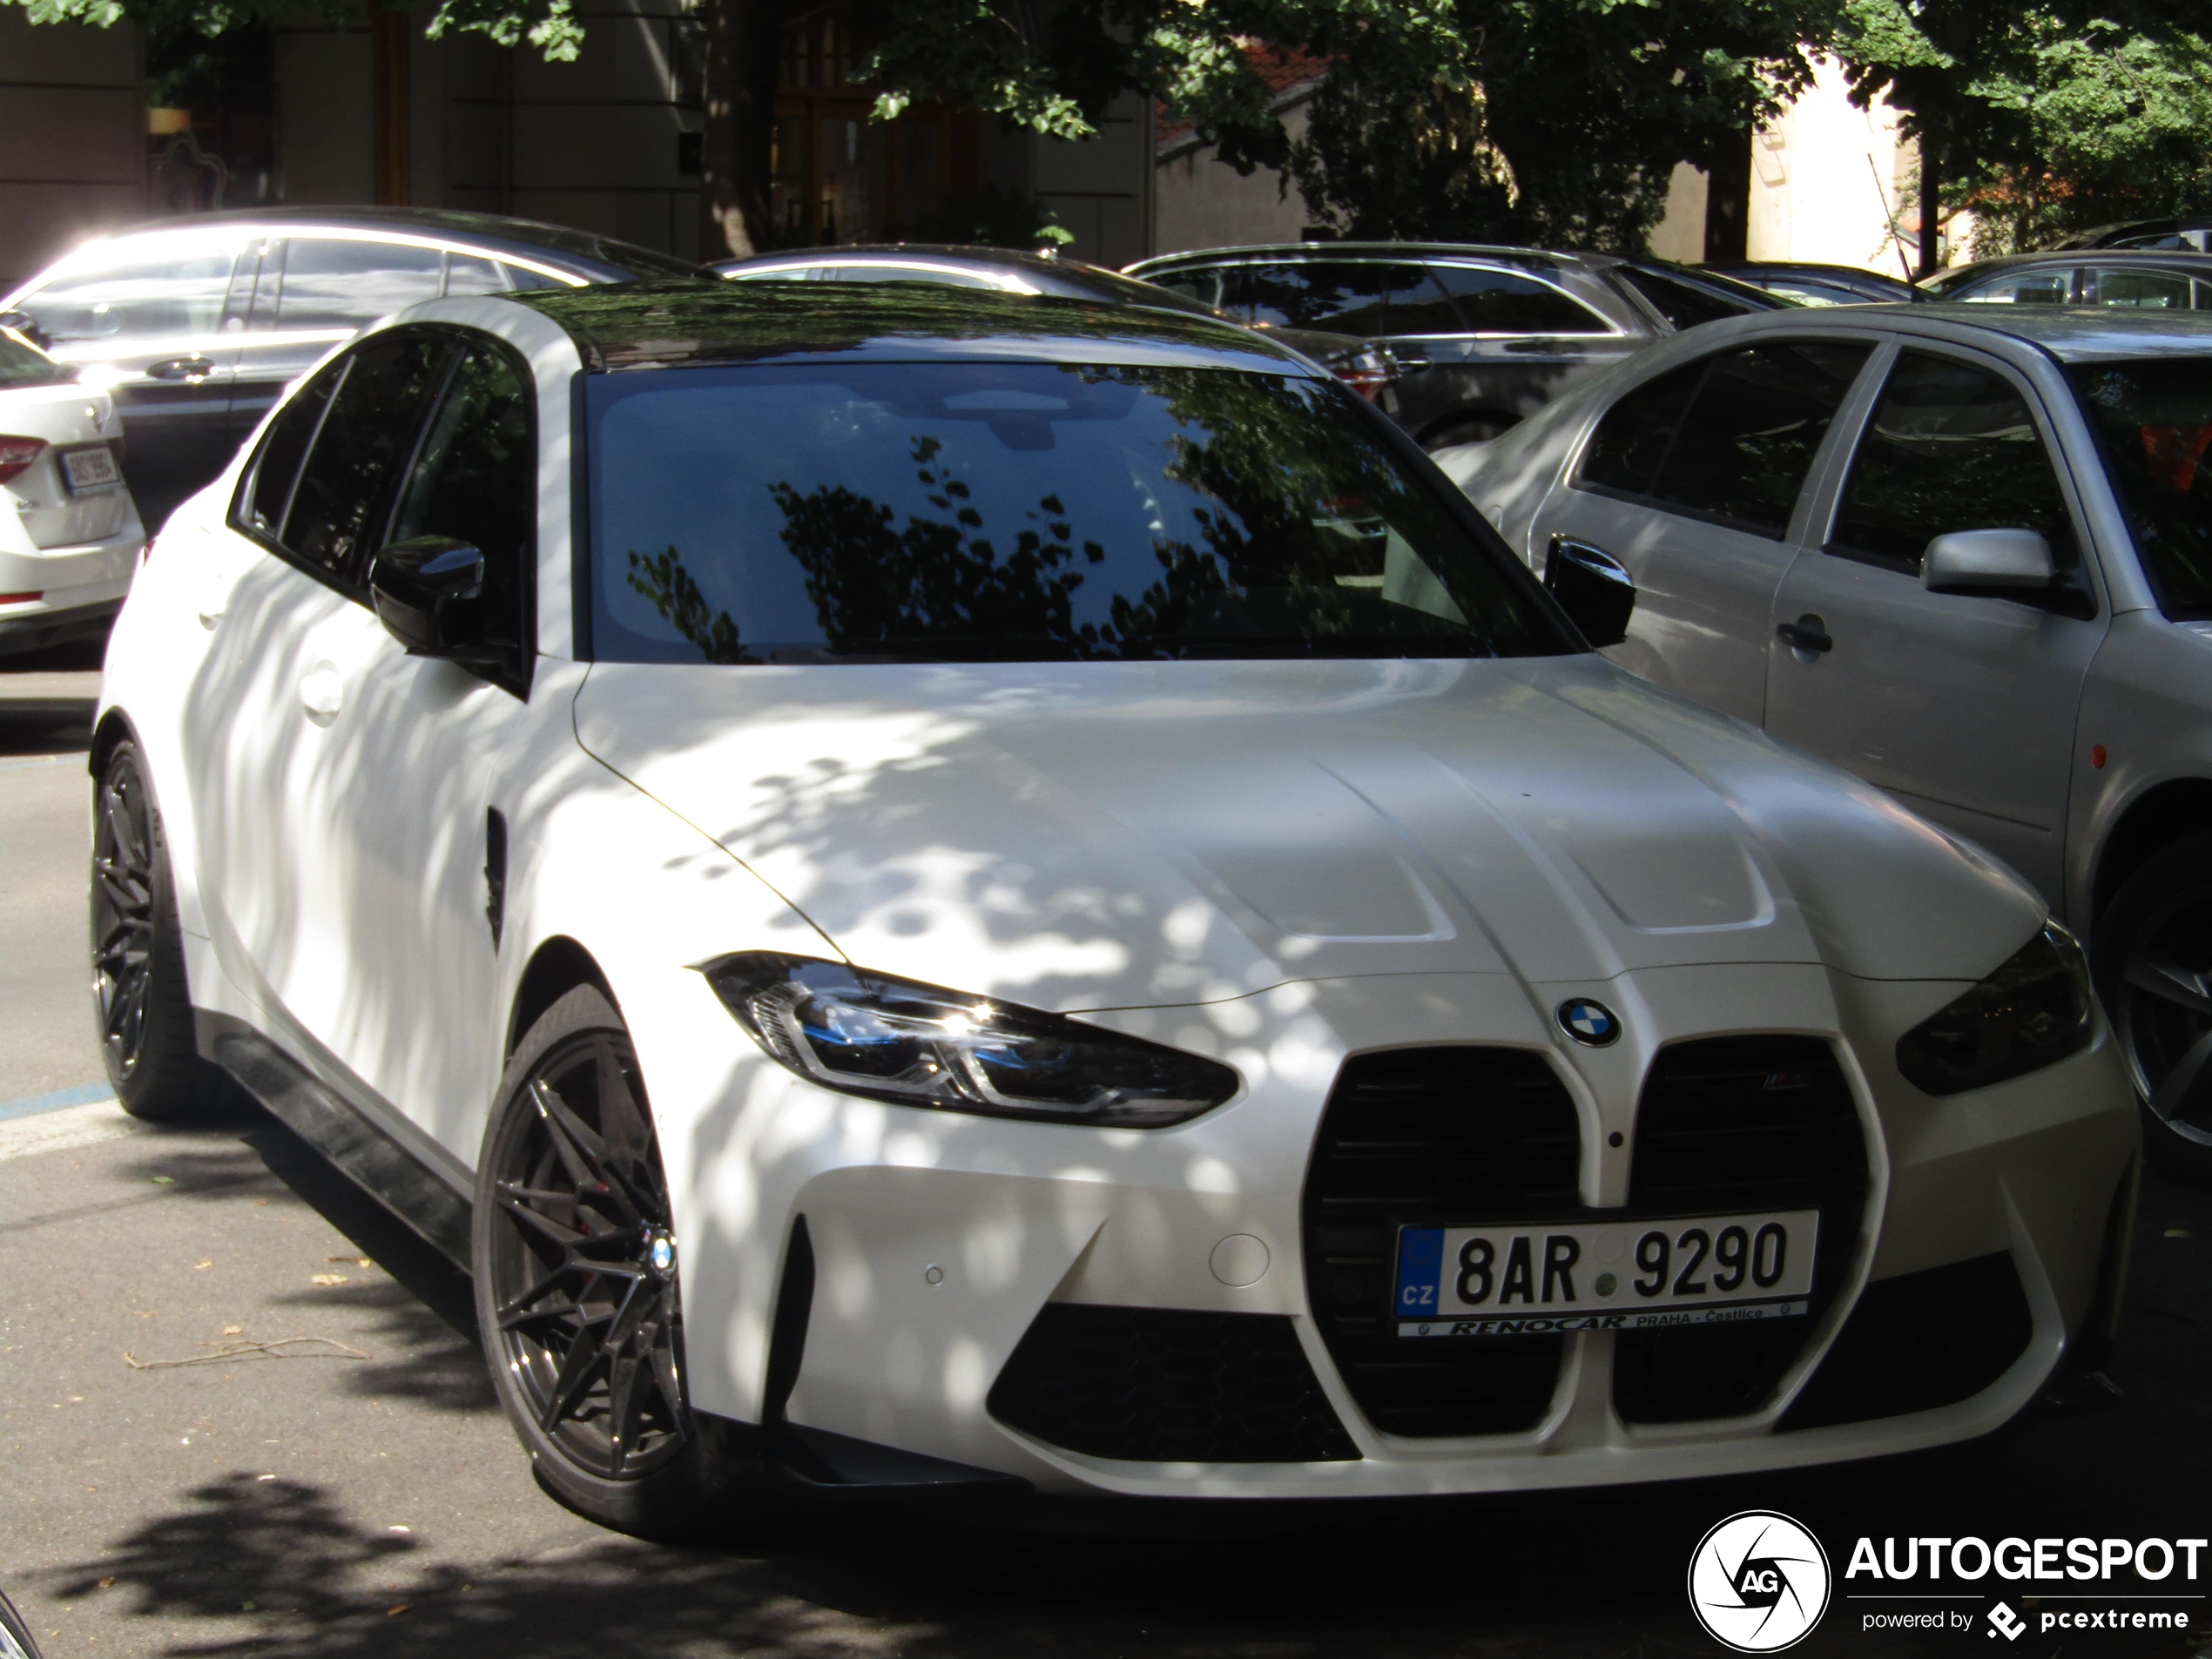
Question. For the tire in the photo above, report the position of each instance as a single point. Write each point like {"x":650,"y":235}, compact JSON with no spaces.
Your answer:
{"x":1479,"y":428}
{"x":139,"y":995}
{"x":2151,"y":957}
{"x":14,"y":1630}
{"x":608,"y":1425}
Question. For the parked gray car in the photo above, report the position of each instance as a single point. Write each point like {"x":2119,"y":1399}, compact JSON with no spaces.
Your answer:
{"x":1964,"y":551}
{"x":2114,"y":278}
{"x":1365,"y":367}
{"x":1484,"y":336}
{"x":197,"y":325}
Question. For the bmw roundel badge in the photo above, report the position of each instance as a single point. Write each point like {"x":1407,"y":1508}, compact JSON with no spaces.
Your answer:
{"x":1592,"y":1024}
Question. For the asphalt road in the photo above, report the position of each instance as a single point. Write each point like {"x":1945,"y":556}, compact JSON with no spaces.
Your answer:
{"x":351,"y":1488}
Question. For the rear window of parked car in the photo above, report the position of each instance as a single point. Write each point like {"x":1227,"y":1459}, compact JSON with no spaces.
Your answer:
{"x":1730,"y":438}
{"x":2153,"y":419}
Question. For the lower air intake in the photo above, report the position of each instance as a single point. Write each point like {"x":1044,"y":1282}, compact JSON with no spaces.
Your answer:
{"x":1168,"y":1386}
{"x":1918,"y":1341}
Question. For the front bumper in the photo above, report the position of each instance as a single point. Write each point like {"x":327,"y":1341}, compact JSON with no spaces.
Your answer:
{"x":938,"y":1243}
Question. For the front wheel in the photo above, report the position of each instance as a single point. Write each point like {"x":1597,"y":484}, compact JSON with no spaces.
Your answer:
{"x":2152,"y":957}
{"x":138,"y":988}
{"x":578,"y":1290}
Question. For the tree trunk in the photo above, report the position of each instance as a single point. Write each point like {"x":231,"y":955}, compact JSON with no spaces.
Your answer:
{"x":1931,"y":208}
{"x":742,"y":38}
{"x":1728,"y":203}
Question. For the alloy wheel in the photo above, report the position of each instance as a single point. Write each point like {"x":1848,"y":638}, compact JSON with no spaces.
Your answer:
{"x":123,"y":900}
{"x":582,"y":1264}
{"x":2162,"y":1008}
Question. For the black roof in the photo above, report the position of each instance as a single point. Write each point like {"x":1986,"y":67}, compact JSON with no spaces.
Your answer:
{"x":585,"y":254}
{"x":665,"y":325}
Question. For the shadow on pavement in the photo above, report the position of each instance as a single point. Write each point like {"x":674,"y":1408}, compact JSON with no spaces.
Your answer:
{"x":424,"y":1314}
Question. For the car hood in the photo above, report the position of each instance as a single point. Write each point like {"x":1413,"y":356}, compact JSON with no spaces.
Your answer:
{"x":1120,"y":835}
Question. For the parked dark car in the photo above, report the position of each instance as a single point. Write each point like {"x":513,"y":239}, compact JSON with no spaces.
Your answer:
{"x":2191,"y":233}
{"x":2129,"y":278}
{"x":1361,"y":363}
{"x":1485,"y":336}
{"x":196,"y":325}
{"x":1817,"y":285}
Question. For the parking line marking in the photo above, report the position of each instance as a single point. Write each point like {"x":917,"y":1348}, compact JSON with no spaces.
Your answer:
{"x":62,"y":1127}
{"x":31,"y":1105}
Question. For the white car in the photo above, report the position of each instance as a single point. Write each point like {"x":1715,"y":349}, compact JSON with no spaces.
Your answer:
{"x":70,"y":537}
{"x":937,"y":890}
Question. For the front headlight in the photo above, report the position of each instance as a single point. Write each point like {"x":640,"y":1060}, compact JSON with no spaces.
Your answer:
{"x":2031,"y":1012}
{"x":890,"y":1039}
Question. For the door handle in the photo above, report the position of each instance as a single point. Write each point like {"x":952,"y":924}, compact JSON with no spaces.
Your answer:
{"x":322,"y":693}
{"x":190,"y":370}
{"x":1807,"y":633}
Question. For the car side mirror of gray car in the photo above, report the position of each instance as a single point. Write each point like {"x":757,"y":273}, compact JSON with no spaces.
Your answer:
{"x":1591,"y":589}
{"x":1968,"y":560}
{"x":428,"y":594}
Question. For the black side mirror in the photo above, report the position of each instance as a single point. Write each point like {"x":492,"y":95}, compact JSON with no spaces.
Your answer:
{"x":1591,"y":589}
{"x":429,"y":594}
{"x":21,"y":322}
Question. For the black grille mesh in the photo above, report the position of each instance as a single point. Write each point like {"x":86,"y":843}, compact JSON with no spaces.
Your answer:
{"x":1918,"y":1341}
{"x":1168,"y":1384}
{"x":1739,"y":1123}
{"x":1439,"y":1135}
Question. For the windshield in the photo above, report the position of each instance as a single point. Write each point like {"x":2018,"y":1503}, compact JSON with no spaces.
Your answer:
{"x":1685,"y":300}
{"x":1024,"y":512}
{"x":2154,"y":417}
{"x":23,"y":364}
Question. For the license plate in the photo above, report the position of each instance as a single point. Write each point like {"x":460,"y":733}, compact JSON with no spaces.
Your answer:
{"x":90,"y":469}
{"x":1546,"y":1278}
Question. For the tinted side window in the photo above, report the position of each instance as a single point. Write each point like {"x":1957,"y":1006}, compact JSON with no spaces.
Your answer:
{"x":346,"y":285}
{"x":526,"y":280}
{"x":468,"y":273}
{"x":1343,"y":296}
{"x":176,"y":292}
{"x":475,"y":480}
{"x":1682,"y":304}
{"x":1504,"y":302}
{"x":1632,"y":440}
{"x":1950,"y":447}
{"x":2045,"y":286}
{"x":1201,"y":285}
{"x":1752,"y":430}
{"x":269,"y":493}
{"x":345,"y":490}
{"x":2139,"y":290}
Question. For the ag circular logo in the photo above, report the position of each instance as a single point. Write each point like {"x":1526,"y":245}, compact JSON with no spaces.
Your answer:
{"x":1758,"y":1582}
{"x":1592,"y":1024}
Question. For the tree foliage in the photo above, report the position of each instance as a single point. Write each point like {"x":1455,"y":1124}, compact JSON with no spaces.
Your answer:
{"x":2046,"y":118}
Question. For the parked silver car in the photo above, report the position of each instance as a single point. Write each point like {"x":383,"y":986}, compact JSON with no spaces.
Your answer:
{"x":195,"y":325}
{"x":2111,"y":278}
{"x":1963,"y":550}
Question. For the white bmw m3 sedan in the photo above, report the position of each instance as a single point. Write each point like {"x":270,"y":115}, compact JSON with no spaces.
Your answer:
{"x":942,"y":890}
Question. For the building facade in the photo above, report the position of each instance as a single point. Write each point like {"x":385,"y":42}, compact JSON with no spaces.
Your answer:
{"x":310,"y":115}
